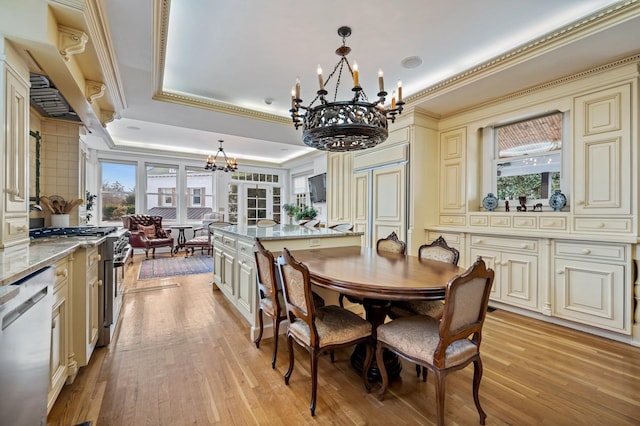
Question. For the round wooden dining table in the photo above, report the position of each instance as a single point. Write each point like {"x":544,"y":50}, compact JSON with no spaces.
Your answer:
{"x":377,"y":278}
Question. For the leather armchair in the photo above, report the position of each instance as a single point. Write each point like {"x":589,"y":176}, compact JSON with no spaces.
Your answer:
{"x":147,"y":240}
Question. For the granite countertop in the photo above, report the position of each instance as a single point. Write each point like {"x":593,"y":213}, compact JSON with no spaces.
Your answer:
{"x":283,"y":232}
{"x":19,"y":261}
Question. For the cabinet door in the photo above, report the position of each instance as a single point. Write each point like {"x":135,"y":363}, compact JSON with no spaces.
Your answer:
{"x":452,"y":188}
{"x":59,"y":342}
{"x":361,"y":205}
{"x":247,"y":288}
{"x":218,"y":266}
{"x":492,"y":260}
{"x":227,"y":273}
{"x":16,"y":144}
{"x":591,"y":293}
{"x":95,"y":286}
{"x":339,"y":171}
{"x":389,"y":202}
{"x":602,"y":154}
{"x":519,"y":279}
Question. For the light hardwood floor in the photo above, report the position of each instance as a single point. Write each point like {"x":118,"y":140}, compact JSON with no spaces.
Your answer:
{"x":182,"y":356}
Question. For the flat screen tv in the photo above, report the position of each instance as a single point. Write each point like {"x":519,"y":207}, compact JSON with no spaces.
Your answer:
{"x":318,"y":188}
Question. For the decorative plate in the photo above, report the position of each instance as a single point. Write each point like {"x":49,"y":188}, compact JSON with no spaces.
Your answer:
{"x":557,"y":200}
{"x":490,"y":202}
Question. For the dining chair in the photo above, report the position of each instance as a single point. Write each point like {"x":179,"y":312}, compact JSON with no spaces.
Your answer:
{"x":270,"y":297}
{"x":449,"y":344}
{"x":438,"y":250}
{"x":390,"y":244}
{"x":313,"y":223}
{"x":266,"y":223}
{"x":317,"y":329}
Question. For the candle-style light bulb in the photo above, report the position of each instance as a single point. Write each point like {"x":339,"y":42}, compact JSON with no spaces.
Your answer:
{"x":393,"y":100}
{"x":380,"y":80}
{"x":320,"y":80}
{"x":356,"y":75}
{"x":399,"y":90}
{"x":297,"y":87}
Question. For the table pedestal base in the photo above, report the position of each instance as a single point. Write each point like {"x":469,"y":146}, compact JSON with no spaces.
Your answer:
{"x":391,"y":363}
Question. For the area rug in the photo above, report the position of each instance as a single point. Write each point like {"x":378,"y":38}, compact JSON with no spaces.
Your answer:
{"x":172,"y":266}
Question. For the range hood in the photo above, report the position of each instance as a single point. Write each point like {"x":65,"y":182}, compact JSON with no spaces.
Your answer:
{"x":48,"y":100}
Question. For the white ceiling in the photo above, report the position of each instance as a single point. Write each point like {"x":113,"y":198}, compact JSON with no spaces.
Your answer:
{"x":240,"y":53}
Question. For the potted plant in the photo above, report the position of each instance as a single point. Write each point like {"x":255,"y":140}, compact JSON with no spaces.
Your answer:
{"x":291,"y":210}
{"x":306,"y":213}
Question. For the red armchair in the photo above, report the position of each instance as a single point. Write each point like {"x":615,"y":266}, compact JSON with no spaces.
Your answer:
{"x":147,"y":233}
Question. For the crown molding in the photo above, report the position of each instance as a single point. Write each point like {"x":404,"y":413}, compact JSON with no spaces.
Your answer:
{"x":597,"y":21}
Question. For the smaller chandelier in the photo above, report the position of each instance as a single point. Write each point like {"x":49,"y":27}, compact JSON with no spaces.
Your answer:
{"x":345,"y":125}
{"x":229,"y":165}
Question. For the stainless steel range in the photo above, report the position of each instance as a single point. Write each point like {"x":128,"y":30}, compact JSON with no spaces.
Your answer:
{"x":114,"y":253}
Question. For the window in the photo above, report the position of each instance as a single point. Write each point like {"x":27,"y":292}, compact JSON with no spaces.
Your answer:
{"x":199,"y":193}
{"x":162,"y":181}
{"x":300,"y":190}
{"x":118,"y":190}
{"x":232,"y":203}
{"x":528,"y":158}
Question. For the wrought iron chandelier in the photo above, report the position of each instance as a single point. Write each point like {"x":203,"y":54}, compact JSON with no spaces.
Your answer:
{"x":229,"y":165}
{"x":345,"y":125}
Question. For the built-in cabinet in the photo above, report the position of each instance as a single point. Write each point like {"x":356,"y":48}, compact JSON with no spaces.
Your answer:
{"x":14,"y":144}
{"x":515,"y":262}
{"x":85,"y":289}
{"x":591,"y":284}
{"x":60,"y":331}
{"x":452,"y":177}
{"x":577,"y":266}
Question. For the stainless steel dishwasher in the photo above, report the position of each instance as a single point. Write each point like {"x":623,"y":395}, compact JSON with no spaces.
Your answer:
{"x":25,"y":345}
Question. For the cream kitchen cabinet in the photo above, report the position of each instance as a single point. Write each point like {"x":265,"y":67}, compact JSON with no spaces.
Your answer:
{"x":339,"y":175}
{"x":245,"y":269}
{"x":14,"y":143}
{"x":592,"y":284}
{"x":603,"y":161}
{"x":60,"y":331}
{"x":515,"y":262}
{"x":452,"y":177}
{"x":85,"y":289}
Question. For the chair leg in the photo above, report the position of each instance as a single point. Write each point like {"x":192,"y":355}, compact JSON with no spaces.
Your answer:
{"x":418,"y":370}
{"x":257,"y":341}
{"x":477,"y":376}
{"x":440,"y":379}
{"x":313,"y":354}
{"x":276,"y":333}
{"x":341,"y":300}
{"x":146,"y":253}
{"x":383,"y":372}
{"x":287,"y":375}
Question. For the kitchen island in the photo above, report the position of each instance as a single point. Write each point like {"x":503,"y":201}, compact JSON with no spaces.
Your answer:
{"x":234,"y":270}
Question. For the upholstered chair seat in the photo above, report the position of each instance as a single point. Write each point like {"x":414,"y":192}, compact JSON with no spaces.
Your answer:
{"x":335,"y":326}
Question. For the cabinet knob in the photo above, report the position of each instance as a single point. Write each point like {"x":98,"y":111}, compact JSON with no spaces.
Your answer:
{"x":601,"y":225}
{"x":580,"y":202}
{"x":524,"y":246}
{"x":480,"y":242}
{"x":586,"y":251}
{"x":560,"y":272}
{"x":62,"y":273}
{"x":99,"y":283}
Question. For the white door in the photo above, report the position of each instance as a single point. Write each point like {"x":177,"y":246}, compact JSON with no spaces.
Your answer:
{"x":258,"y":203}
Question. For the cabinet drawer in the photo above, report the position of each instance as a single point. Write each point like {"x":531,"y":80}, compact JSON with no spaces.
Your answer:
{"x":451,"y":239}
{"x":553,"y":223}
{"x":500,"y":221}
{"x":93,"y":257}
{"x":525,"y":222}
{"x":504,"y":243}
{"x":16,"y":228}
{"x":479,"y":220}
{"x":621,"y":226}
{"x":245,"y":248}
{"x":217,"y":238}
{"x":228,"y":241}
{"x":592,"y":250}
{"x":60,"y":273}
{"x":453,"y":220}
